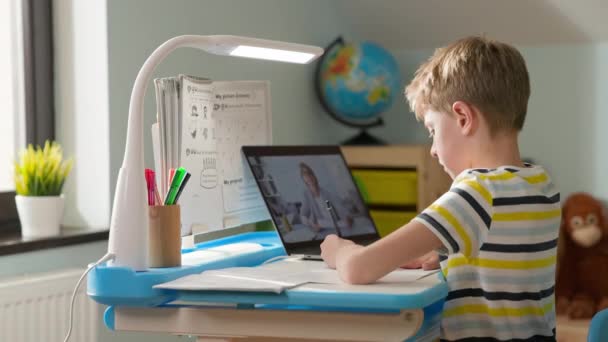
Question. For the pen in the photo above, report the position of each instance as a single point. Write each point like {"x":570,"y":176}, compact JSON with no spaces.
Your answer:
{"x":175,"y":183}
{"x":182,"y":186}
{"x":332,"y":213}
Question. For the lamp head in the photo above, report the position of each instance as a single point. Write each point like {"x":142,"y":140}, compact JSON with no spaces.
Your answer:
{"x":259,"y":49}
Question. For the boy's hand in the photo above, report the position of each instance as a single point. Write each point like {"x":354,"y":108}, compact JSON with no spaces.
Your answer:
{"x":330,"y":247}
{"x":429,"y":261}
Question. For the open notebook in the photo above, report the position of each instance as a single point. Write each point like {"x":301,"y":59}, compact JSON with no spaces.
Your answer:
{"x":277,"y":277}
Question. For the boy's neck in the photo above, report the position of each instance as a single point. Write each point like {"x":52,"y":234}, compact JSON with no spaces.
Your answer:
{"x":501,"y":149}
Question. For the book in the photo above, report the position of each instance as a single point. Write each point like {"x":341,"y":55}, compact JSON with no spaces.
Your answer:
{"x":201,"y":126}
{"x":212,"y":282}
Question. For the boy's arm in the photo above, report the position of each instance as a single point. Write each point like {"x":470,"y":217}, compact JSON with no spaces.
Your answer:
{"x":363,"y":265}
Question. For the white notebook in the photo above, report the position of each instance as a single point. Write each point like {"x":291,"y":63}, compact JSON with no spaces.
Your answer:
{"x":277,"y":277}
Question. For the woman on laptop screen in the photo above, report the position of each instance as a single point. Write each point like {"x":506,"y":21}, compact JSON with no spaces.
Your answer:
{"x":321,"y":210}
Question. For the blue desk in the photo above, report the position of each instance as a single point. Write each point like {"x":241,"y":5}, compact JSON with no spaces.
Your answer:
{"x":380,"y":312}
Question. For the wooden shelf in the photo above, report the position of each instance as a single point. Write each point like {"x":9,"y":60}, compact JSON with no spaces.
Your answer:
{"x":432,"y":179}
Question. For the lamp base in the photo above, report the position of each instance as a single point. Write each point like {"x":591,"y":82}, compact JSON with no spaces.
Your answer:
{"x":129,"y":232}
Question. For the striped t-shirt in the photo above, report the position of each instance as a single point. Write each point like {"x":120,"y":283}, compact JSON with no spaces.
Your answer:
{"x":499,"y":230}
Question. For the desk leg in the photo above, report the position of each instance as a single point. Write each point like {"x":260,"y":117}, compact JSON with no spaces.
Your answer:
{"x":213,"y":324}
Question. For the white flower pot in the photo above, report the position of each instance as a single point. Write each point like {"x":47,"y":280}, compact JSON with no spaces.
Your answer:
{"x":40,"y":215}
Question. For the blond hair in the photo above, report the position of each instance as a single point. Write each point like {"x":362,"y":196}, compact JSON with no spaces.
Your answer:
{"x":487,"y":74}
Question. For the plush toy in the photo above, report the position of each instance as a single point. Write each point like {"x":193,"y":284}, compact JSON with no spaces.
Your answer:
{"x":582,"y":275}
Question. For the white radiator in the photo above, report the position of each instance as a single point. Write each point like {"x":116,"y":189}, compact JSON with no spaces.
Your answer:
{"x":36,"y":309}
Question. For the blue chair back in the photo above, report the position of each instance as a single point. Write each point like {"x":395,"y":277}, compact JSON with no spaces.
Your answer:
{"x":598,"y":329}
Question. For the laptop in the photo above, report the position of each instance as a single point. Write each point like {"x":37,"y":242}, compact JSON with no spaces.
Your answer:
{"x":310,"y":193}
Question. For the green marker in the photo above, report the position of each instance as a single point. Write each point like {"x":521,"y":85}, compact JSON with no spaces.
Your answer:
{"x":174,"y":188}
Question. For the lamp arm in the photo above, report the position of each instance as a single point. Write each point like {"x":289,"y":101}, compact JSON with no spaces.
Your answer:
{"x":128,"y":239}
{"x":135,"y":124}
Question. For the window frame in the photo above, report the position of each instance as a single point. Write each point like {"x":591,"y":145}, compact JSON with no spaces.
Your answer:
{"x":38,"y":90}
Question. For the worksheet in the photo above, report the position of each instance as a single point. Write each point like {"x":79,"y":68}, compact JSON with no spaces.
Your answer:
{"x":201,"y":205}
{"x":242,"y":117}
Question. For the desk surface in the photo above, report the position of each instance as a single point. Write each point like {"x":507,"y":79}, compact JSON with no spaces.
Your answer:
{"x":381,"y":312}
{"x":117,"y":286}
{"x":327,"y":311}
{"x":418,"y":294}
{"x":391,"y":293}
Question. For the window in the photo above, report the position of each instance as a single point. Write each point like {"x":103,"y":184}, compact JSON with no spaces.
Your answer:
{"x":26,"y":90}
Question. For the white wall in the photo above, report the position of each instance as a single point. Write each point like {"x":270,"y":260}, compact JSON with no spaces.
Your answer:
{"x":100,"y":46}
{"x":600,"y":140}
{"x":567,"y":113}
{"x":137,"y":27}
{"x":568,"y":107}
{"x":564,"y":129}
{"x":81,"y":112}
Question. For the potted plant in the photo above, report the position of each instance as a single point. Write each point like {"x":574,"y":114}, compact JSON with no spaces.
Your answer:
{"x":39,"y":177}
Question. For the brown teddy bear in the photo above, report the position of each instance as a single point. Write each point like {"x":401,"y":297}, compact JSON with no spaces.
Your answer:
{"x":582,"y":275}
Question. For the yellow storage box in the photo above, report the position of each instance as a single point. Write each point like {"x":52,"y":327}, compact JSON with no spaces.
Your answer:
{"x":388,"y":221}
{"x":387,"y":187}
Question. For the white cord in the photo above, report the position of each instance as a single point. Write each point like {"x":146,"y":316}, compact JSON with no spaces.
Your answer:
{"x":103,"y":259}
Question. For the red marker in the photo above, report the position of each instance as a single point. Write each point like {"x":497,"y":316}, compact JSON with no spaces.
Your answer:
{"x":151,"y":186}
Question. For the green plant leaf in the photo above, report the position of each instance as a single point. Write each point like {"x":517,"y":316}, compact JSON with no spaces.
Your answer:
{"x":41,"y":171}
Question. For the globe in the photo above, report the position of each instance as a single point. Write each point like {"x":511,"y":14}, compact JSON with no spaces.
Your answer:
{"x":357,"y":82}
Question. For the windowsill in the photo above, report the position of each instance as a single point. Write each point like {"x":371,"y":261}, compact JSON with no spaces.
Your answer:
{"x":11,"y":241}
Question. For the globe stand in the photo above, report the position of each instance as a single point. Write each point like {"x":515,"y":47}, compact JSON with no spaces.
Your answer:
{"x":363,"y":138}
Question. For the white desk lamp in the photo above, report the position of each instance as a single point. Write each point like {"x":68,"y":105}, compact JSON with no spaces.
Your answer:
{"x":129,"y":224}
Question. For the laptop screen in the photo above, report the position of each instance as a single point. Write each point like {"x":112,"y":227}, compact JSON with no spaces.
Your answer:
{"x":310,"y":193}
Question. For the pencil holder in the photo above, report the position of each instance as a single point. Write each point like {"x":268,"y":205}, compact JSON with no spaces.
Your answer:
{"x":165,"y":236}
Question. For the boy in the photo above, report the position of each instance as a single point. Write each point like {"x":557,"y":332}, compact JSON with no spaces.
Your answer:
{"x":497,"y":227}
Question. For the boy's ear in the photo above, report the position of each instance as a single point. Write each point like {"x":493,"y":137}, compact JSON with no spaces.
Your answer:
{"x":466,"y":116}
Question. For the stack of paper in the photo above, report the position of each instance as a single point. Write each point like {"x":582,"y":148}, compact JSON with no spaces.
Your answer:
{"x":201,"y":126}
{"x":168,"y":128}
{"x":277,"y":277}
